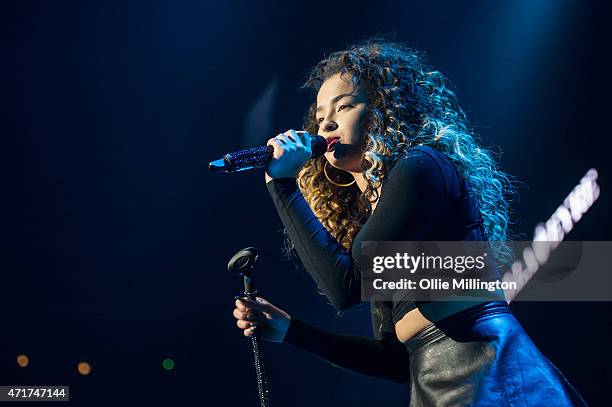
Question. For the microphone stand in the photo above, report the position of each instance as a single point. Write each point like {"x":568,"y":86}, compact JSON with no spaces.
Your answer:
{"x":243,"y":263}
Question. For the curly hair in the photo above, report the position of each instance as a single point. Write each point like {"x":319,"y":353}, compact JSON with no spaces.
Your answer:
{"x":409,"y":104}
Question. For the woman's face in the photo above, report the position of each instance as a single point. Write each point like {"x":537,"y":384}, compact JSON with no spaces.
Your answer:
{"x":341,"y":111}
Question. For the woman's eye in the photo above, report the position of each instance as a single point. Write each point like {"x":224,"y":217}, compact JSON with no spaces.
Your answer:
{"x":342,"y":107}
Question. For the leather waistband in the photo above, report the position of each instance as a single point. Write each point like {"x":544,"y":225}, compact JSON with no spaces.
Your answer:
{"x":435,"y":332}
{"x":428,"y":335}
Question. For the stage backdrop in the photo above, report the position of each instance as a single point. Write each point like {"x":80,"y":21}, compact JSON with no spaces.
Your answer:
{"x":114,"y":237}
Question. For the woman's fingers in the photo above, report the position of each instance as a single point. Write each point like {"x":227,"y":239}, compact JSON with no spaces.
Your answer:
{"x":240,"y":304}
{"x":260,"y":304}
{"x":248,"y":328}
{"x":277,"y":145}
{"x":286,"y":141}
{"x":239,"y":314}
{"x":245,"y":305}
{"x":260,"y":315}
{"x":292,"y":134}
{"x":247,"y":315}
{"x":290,"y":155}
{"x":247,"y":321}
{"x":291,"y":137}
{"x":281,"y":143}
{"x":246,"y":324}
{"x":305,"y":138}
{"x":249,"y":332}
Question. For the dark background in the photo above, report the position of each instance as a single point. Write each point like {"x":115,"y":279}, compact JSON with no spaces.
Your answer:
{"x":114,"y":238}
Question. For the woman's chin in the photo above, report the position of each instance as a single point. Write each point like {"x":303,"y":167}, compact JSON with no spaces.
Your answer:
{"x":349,"y":164}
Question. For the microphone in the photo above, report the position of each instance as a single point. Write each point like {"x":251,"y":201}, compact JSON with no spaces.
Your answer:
{"x":259,"y":157}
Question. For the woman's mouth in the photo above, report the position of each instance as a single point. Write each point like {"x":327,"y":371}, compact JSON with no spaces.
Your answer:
{"x":331,"y":143}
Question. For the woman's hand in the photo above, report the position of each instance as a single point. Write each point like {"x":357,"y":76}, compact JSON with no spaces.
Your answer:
{"x":270,"y":323}
{"x":291,"y":151}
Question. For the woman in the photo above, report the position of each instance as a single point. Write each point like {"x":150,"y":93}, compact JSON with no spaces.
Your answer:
{"x":402,"y":165}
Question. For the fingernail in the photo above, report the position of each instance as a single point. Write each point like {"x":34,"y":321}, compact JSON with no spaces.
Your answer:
{"x":241,"y":299}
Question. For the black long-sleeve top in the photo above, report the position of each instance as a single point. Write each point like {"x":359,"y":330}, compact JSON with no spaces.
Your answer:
{"x":423,"y":198}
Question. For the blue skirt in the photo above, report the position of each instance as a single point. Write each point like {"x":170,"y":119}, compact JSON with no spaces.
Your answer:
{"x":483,"y":357}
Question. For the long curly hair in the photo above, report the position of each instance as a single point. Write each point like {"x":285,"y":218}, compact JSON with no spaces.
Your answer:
{"x":409,"y":104}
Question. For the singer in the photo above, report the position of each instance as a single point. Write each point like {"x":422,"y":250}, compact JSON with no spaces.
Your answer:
{"x":402,"y":163}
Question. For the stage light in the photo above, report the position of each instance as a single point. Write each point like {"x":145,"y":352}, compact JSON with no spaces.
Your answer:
{"x":84,"y":368}
{"x":23,"y":360}
{"x":168,"y":364}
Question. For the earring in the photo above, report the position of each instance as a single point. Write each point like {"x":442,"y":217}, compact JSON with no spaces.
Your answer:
{"x":333,"y":182}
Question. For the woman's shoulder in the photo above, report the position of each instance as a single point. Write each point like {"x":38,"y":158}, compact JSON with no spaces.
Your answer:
{"x":425,"y":166}
{"x":425,"y":155}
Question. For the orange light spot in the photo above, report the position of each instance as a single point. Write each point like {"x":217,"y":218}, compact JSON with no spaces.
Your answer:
{"x":84,"y":368}
{"x":23,"y":360}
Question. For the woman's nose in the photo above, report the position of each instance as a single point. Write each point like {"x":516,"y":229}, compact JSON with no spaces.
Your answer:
{"x":329,"y":127}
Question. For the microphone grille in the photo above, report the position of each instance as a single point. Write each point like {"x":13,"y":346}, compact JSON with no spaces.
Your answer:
{"x":318,"y":145}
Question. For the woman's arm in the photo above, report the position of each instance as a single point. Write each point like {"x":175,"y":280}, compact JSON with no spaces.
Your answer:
{"x":386,"y":358}
{"x":329,"y":264}
{"x":418,"y":189}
